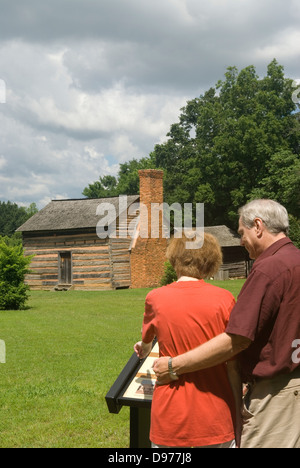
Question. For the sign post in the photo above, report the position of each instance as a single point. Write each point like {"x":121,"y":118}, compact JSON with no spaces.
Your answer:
{"x":134,"y":388}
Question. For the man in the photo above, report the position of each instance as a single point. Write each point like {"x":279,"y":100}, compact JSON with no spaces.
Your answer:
{"x":264,"y":329}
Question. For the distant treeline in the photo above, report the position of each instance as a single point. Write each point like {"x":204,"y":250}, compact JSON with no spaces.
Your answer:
{"x":12,"y":217}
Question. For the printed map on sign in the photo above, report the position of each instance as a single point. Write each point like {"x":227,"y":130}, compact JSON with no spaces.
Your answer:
{"x":142,"y":386}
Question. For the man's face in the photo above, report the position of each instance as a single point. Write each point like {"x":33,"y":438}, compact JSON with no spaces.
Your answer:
{"x":249,"y":240}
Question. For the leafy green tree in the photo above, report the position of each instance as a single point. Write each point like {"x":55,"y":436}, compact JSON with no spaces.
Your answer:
{"x":13,"y":268}
{"x":295,"y":230}
{"x":220,"y":149}
{"x":12,"y":241}
{"x":31,"y":210}
{"x":128,"y":178}
{"x":169,"y":275}
{"x":105,"y":187}
{"x":12,"y":216}
{"x":239,"y":139}
{"x":282,"y":181}
{"x":127,"y":182}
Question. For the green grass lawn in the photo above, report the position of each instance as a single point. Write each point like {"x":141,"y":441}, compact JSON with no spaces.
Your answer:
{"x":62,"y":355}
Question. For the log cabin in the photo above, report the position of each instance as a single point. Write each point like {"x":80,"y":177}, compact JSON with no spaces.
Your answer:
{"x":69,"y":252}
{"x":72,"y":251}
{"x":236,"y":261}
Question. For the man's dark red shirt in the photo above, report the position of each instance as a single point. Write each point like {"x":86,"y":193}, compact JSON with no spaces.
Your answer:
{"x":268,"y":312}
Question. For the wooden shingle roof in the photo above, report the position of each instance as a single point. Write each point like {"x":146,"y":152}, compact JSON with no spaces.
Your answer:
{"x":226,"y":236}
{"x":62,"y":215}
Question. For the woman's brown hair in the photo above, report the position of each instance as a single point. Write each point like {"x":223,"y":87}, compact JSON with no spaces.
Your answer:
{"x":198,"y":263}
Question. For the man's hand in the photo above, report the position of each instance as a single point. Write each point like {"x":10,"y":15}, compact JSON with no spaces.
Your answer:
{"x":142,"y":349}
{"x":161,"y":369}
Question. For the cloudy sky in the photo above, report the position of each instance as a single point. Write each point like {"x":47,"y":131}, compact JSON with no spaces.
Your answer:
{"x":89,"y":84}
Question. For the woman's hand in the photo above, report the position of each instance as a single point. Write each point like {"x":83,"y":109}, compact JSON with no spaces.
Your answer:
{"x":142,"y":349}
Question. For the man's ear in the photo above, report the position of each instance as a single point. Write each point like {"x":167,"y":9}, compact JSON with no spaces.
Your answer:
{"x":259,"y":226}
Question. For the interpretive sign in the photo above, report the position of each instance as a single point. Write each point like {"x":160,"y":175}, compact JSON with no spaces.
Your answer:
{"x":143,"y":383}
{"x":135,"y":384}
{"x":134,"y":388}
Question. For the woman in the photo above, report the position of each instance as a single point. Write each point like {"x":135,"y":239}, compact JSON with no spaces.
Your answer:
{"x":196,"y":409}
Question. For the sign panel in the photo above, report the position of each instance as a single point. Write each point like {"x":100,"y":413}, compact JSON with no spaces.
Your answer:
{"x":143,"y":383}
{"x":135,"y":385}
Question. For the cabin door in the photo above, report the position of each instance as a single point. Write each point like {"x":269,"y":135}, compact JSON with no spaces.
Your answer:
{"x":65,"y":268}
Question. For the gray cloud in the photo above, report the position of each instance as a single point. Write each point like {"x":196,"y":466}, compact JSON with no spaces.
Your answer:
{"x":91,"y":83}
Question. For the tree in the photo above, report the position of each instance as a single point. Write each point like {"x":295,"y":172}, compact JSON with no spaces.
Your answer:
{"x":31,"y":210}
{"x":104,"y":187}
{"x":282,"y":181}
{"x":127,"y":182}
{"x":238,"y":139}
{"x":13,"y":268}
{"x":12,"y":241}
{"x":295,"y":230}
{"x":223,"y":144}
{"x":169,"y":275}
{"x":12,"y":216}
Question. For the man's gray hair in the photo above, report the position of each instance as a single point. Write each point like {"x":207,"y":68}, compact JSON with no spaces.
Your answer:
{"x":274,"y":216}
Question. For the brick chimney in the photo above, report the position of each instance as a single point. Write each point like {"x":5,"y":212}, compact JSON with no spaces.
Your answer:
{"x":149,"y":254}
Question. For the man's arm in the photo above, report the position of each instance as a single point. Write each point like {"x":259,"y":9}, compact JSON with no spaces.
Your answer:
{"x":216,"y":351}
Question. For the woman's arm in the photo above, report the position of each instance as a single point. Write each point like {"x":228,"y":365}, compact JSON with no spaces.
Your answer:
{"x":142,"y":349}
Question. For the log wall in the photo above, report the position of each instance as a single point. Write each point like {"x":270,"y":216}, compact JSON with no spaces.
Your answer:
{"x":97,"y":264}
{"x":235,"y":260}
